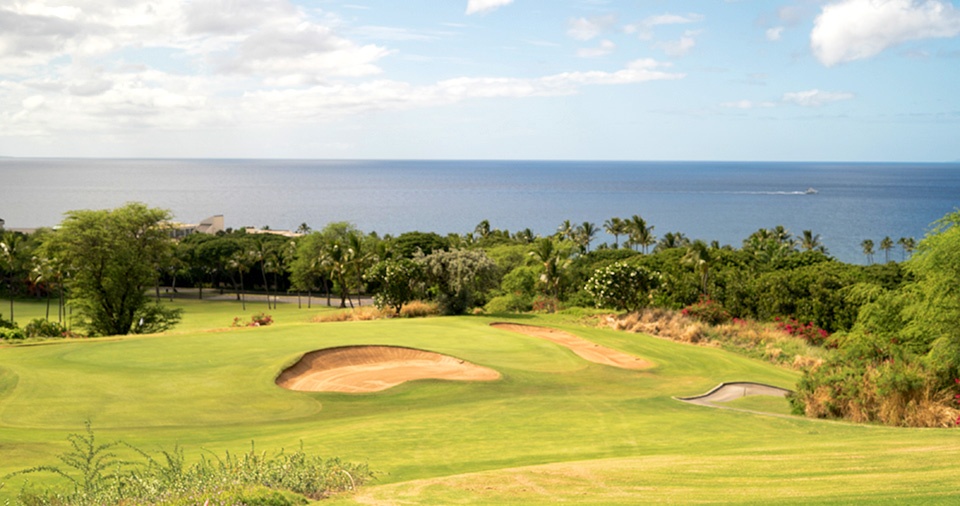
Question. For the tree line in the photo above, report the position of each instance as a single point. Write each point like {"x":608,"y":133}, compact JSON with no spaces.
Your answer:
{"x":893,"y":325}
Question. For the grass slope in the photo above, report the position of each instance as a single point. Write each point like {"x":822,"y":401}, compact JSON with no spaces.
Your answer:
{"x":555,"y":428}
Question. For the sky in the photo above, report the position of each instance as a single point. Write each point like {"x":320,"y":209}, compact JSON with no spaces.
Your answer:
{"x":790,"y":80}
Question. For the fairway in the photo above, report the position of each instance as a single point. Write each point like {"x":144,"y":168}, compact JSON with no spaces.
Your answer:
{"x":553,"y":427}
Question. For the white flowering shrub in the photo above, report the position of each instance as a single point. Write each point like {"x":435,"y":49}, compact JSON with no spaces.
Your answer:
{"x":622,"y":286}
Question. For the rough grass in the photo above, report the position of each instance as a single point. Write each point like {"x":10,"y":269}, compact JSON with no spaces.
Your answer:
{"x":754,"y":339}
{"x":554,"y":429}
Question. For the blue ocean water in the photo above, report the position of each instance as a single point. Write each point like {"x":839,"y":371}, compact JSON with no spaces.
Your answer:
{"x":724,"y":201}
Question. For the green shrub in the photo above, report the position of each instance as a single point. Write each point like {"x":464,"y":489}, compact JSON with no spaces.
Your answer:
{"x":7,"y":324}
{"x":9,"y":334}
{"x":40,"y":327}
{"x":509,"y":303}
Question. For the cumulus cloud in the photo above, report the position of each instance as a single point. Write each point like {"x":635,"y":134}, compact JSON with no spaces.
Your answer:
{"x":850,"y":30}
{"x":483,"y":6}
{"x":815,"y":98}
{"x":589,"y":28}
{"x":774,"y":34}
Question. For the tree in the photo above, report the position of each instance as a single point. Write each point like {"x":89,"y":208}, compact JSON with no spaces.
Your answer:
{"x":886,"y":244}
{"x":867,"y":246}
{"x":641,"y":234}
{"x":584,"y":235}
{"x":811,"y":242}
{"x":908,"y":244}
{"x":112,"y":257}
{"x":458,"y":277}
{"x":615,"y":227}
{"x":698,"y":256}
{"x":672,"y":240}
{"x":11,"y":246}
{"x":555,"y":259}
{"x":396,"y":282}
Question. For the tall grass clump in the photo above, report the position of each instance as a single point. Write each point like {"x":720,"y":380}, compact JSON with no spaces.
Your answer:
{"x":96,"y":475}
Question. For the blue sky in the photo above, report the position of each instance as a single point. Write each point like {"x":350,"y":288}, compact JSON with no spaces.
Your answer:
{"x":842,"y":80}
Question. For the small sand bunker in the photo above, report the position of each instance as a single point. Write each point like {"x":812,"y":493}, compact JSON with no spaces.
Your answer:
{"x":358,"y":369}
{"x":585,"y":349}
{"x":726,"y":392}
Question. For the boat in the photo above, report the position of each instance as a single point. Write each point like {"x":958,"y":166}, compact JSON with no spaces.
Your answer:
{"x":811,"y":191}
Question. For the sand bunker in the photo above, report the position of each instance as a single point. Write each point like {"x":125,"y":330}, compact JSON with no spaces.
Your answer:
{"x":357,"y":369}
{"x":725,"y":392}
{"x":585,"y":349}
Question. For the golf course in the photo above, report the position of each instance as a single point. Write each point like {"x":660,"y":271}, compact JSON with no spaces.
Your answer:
{"x":544,"y":425}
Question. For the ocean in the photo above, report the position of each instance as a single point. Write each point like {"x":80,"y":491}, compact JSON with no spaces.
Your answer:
{"x":723,"y":201}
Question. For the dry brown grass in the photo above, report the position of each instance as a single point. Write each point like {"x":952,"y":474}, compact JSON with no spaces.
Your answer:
{"x":755,"y":339}
{"x":925,"y":407}
{"x":419,"y":309}
{"x":415,"y":309}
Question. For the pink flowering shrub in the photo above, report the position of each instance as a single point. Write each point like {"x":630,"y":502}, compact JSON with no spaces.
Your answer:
{"x":808,"y":331}
{"x":707,"y":311}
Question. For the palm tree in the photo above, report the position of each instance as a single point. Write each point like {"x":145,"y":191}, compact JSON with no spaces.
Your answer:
{"x":867,"y":246}
{"x":11,"y":244}
{"x":554,"y":261}
{"x":782,"y":236}
{"x":698,"y":256}
{"x":615,"y":227}
{"x":336,"y":259}
{"x":566,"y":230}
{"x":482,"y":230}
{"x":585,"y":234}
{"x":641,"y":235}
{"x":262,"y":253}
{"x":672,"y":240}
{"x":886,"y":244}
{"x":811,"y":241}
{"x":908,"y":244}
{"x":240,"y":261}
{"x":362,"y":258}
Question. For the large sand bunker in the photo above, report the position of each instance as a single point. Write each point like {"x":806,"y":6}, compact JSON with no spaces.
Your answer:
{"x":357,"y":369}
{"x":585,"y":349}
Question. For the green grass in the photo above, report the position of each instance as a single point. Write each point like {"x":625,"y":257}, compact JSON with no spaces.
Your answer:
{"x":554,"y":428}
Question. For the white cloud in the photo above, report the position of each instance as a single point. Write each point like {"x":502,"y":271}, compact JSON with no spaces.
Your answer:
{"x":678,"y":48}
{"x":482,"y":6}
{"x":644,"y":29}
{"x":606,"y":47}
{"x":747,"y":104}
{"x":855,"y":29}
{"x":589,"y":28}
{"x":808,"y":98}
{"x":774,"y":34}
{"x":815,"y":98}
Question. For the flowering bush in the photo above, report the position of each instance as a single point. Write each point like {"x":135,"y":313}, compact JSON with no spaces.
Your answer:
{"x":257,"y":320}
{"x":621,"y":286}
{"x":707,"y":311}
{"x":808,"y":331}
